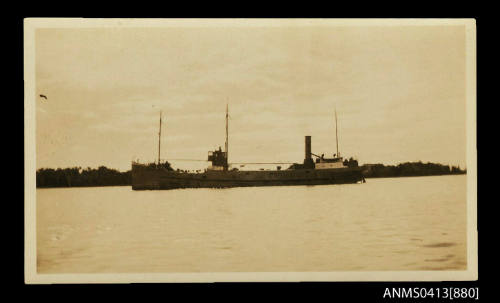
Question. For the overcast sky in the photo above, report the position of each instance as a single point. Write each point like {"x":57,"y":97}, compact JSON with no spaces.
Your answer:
{"x":399,"y":93}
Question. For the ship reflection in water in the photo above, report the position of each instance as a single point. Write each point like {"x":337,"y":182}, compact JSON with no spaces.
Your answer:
{"x":416,"y":223}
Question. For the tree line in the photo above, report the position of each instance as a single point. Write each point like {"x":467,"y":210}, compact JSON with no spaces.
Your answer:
{"x":76,"y":176}
{"x":409,"y":169}
{"x":103,"y":176}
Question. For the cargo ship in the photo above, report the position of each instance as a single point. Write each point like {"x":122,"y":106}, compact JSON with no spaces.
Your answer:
{"x":317,"y":171}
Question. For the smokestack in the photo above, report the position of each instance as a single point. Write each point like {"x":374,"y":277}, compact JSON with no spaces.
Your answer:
{"x":308,"y":147}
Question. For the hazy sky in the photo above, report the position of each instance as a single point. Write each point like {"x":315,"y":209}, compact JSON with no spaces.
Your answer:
{"x":399,"y":93}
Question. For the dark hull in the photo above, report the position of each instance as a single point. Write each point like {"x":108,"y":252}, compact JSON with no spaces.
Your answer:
{"x":147,"y":178}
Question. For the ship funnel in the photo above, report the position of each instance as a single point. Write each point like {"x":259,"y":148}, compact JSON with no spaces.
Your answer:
{"x":308,"y":161}
{"x":308,"y":147}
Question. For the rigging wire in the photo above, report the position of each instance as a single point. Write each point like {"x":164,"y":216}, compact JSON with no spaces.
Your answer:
{"x":232,"y":162}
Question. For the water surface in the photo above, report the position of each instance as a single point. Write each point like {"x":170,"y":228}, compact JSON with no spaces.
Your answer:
{"x":416,"y":223}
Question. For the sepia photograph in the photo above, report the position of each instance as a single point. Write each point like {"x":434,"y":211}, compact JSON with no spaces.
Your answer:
{"x":213,"y":150}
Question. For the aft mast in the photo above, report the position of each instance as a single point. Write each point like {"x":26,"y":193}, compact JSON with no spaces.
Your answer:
{"x":336,"y":133}
{"x":159,"y":142}
{"x":227,"y":136}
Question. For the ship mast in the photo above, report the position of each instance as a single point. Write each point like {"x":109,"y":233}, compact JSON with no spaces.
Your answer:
{"x":227,"y":133}
{"x":159,"y":142}
{"x":336,"y":134}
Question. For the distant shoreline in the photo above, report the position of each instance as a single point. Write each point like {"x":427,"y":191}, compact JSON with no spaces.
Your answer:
{"x":382,"y":177}
{"x":410,"y":169}
{"x":103,"y":176}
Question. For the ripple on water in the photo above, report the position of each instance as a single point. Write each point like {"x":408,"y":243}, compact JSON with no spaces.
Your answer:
{"x":437,"y":260}
{"x":439,"y":268}
{"x":440,"y":244}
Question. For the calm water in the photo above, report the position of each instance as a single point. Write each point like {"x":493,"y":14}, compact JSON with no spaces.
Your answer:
{"x":385,"y":224}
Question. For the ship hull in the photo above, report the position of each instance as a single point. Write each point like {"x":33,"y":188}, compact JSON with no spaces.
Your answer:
{"x":147,"y":178}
